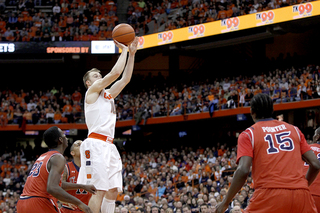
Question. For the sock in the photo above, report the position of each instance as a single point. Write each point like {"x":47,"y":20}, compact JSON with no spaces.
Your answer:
{"x":108,"y":205}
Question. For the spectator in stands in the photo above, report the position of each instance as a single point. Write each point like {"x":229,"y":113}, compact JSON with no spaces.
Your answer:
{"x":236,"y":209}
{"x":3,"y":118}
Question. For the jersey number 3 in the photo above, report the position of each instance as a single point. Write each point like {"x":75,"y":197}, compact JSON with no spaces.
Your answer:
{"x":284,"y":141}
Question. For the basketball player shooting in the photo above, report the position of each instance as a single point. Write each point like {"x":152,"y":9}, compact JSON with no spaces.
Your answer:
{"x":100,"y":160}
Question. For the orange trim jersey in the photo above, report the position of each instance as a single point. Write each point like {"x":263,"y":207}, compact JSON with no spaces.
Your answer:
{"x":276,"y":148}
{"x":315,"y":186}
{"x":73,"y":172}
{"x":36,"y":184}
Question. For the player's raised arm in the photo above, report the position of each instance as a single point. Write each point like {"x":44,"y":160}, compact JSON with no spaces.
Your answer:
{"x":116,"y":71}
{"x":55,"y":167}
{"x":126,"y":77}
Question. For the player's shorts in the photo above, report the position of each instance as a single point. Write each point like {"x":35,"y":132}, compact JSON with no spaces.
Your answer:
{"x":36,"y":204}
{"x":67,"y":210}
{"x":101,"y":164}
{"x":316,"y":199}
{"x":281,"y":200}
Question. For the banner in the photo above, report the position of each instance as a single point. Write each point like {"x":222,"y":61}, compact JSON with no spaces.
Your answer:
{"x":75,"y":47}
{"x":103,"y":47}
{"x":45,"y":47}
{"x":231,"y":24}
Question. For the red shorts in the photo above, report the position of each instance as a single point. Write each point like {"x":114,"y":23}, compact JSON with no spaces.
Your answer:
{"x":281,"y":200}
{"x":40,"y":204}
{"x":316,"y":199}
{"x":66,"y":210}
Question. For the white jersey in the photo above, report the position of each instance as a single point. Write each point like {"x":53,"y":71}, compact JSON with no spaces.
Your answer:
{"x":101,"y":115}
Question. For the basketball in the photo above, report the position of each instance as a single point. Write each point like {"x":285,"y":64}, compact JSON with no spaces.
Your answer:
{"x":123,"y":33}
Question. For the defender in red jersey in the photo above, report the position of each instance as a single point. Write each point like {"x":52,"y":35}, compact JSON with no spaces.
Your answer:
{"x":70,"y":174}
{"x":42,"y":188}
{"x":274,"y":149}
{"x":315,"y":186}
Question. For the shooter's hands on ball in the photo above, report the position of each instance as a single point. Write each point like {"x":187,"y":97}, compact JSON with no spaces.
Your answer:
{"x":134,"y":46}
{"x":120,"y":45}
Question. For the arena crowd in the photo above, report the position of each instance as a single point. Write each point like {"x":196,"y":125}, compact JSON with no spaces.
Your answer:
{"x":57,"y":106}
{"x":87,"y":20}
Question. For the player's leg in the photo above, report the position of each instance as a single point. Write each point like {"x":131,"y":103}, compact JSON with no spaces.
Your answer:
{"x":114,"y":181}
{"x":108,"y":203}
{"x":92,"y":170}
{"x":96,"y":201}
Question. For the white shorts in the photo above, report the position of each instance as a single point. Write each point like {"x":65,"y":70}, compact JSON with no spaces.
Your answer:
{"x":101,"y":165}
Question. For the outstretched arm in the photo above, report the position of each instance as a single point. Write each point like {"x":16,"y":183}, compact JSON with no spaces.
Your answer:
{"x":126,"y":76}
{"x":73,"y":186}
{"x":114,"y":73}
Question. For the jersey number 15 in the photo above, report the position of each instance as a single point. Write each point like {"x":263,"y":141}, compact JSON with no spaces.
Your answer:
{"x":284,"y":141}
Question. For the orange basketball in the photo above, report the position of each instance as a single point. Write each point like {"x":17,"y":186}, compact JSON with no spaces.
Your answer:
{"x":123,"y":33}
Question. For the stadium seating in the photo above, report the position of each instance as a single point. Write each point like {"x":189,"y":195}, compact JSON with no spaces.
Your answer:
{"x":156,"y":178}
{"x":169,"y":180}
{"x":53,"y":106}
{"x":48,"y":20}
{"x":157,"y":16}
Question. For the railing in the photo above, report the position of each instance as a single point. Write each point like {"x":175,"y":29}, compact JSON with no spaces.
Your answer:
{"x":277,"y":98}
{"x":167,"y":118}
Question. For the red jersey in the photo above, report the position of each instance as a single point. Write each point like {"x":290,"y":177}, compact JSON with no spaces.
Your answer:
{"x":276,"y":148}
{"x":73,"y":172}
{"x":36,"y":184}
{"x":315,"y":186}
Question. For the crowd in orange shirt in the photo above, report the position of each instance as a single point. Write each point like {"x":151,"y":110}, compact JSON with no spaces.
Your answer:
{"x":202,"y":175}
{"x":87,"y":20}
{"x":180,"y":177}
{"x":293,"y":84}
{"x":76,"y":20}
{"x":173,"y":179}
{"x":13,"y":174}
{"x":53,"y":106}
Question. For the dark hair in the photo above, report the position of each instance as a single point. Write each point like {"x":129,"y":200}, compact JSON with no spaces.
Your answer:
{"x":51,"y":137}
{"x":262,"y":106}
{"x":141,"y":209}
{"x":155,"y":207}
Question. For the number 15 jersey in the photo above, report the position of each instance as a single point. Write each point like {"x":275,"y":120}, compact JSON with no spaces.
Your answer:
{"x":276,"y":148}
